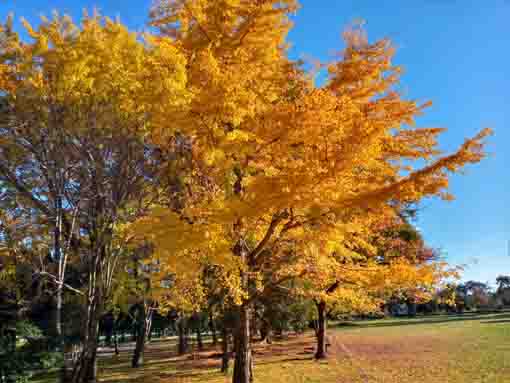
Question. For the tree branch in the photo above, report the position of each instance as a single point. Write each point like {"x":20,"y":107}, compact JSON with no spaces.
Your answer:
{"x":60,"y":283}
{"x":253,"y":256}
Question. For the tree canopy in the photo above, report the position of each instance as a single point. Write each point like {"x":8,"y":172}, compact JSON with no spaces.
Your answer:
{"x":206,"y":145}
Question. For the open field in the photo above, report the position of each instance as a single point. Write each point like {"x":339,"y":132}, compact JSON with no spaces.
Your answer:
{"x":436,"y":349}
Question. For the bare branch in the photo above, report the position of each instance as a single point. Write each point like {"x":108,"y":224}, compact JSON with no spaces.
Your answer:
{"x":55,"y":280}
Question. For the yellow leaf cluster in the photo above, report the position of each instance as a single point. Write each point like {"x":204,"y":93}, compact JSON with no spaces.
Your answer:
{"x":293,"y":171}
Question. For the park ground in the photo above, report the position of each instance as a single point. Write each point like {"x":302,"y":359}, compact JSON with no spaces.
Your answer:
{"x":437,"y":349}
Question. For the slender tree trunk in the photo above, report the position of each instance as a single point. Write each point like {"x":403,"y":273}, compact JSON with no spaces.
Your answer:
{"x":266,"y":332}
{"x":321,"y":352}
{"x":85,"y":368}
{"x":143,"y":331}
{"x":212,"y":327}
{"x":108,"y":338}
{"x":243,"y":365}
{"x":411,"y":308}
{"x":200,"y":344}
{"x":58,"y":318}
{"x":183,"y":337}
{"x":269,"y":336}
{"x":224,"y":347}
{"x":59,"y":338}
{"x":137,"y":360}
{"x":115,"y":339}
{"x":59,"y":344}
{"x":148,"y":325}
{"x":57,"y":250}
{"x":92,"y":375}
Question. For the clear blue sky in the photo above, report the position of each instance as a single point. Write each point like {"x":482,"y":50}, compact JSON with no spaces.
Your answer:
{"x":455,"y":53}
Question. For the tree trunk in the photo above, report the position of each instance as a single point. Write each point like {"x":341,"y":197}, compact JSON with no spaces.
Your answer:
{"x":148,"y":325}
{"x":59,"y":338}
{"x":137,"y":360}
{"x":143,"y":331}
{"x":321,"y":352}
{"x":243,"y":365}
{"x":85,"y":368}
{"x":212,"y":327}
{"x":115,"y":339}
{"x":92,"y":373}
{"x":183,"y":337}
{"x":58,"y":318}
{"x":224,"y":347}
{"x":266,"y":332}
{"x":61,"y":272}
{"x":411,"y":308}
{"x":200,"y":344}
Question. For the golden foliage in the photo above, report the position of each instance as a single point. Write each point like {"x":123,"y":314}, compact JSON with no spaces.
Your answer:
{"x":84,"y":69}
{"x":293,"y":172}
{"x":284,"y":165}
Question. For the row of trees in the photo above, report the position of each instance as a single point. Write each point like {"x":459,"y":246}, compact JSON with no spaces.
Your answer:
{"x":475,"y":295}
{"x":200,"y":167}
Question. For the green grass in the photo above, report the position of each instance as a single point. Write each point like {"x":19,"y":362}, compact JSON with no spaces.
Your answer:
{"x":470,"y":348}
{"x":435,"y":349}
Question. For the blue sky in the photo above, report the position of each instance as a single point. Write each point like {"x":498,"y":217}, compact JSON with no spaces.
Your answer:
{"x":455,"y":53}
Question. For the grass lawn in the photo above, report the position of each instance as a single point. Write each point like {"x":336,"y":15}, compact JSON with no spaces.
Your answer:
{"x":440,"y":349}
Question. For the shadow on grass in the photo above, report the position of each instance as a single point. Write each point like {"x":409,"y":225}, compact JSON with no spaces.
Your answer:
{"x":496,"y":321}
{"x":163,"y":365}
{"x":154,"y":372}
{"x":47,"y":377}
{"x":499,"y":317}
{"x":279,"y":361}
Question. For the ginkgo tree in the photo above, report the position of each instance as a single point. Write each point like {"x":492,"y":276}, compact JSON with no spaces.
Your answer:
{"x":358,"y":268}
{"x":76,"y":101}
{"x":281,"y":163}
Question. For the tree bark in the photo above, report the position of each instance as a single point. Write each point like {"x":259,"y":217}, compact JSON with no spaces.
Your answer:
{"x":148,"y":325}
{"x":212,"y":327}
{"x":225,"y":359}
{"x":61,"y":268}
{"x":266,"y":332}
{"x":115,"y":339}
{"x":59,"y":338}
{"x":200,"y":344}
{"x":321,"y":352}
{"x":411,"y":308}
{"x":59,"y":344}
{"x":183,"y":337}
{"x":85,"y":368}
{"x":143,"y":331}
{"x":243,"y":365}
{"x":58,"y":317}
{"x":137,"y":359}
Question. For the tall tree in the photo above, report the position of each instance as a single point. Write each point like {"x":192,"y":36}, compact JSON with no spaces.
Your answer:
{"x":503,"y":282}
{"x":78,"y":99}
{"x":280,"y":162}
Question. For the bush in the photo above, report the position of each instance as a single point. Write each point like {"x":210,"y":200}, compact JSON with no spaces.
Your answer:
{"x":49,"y":360}
{"x":24,"y":349}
